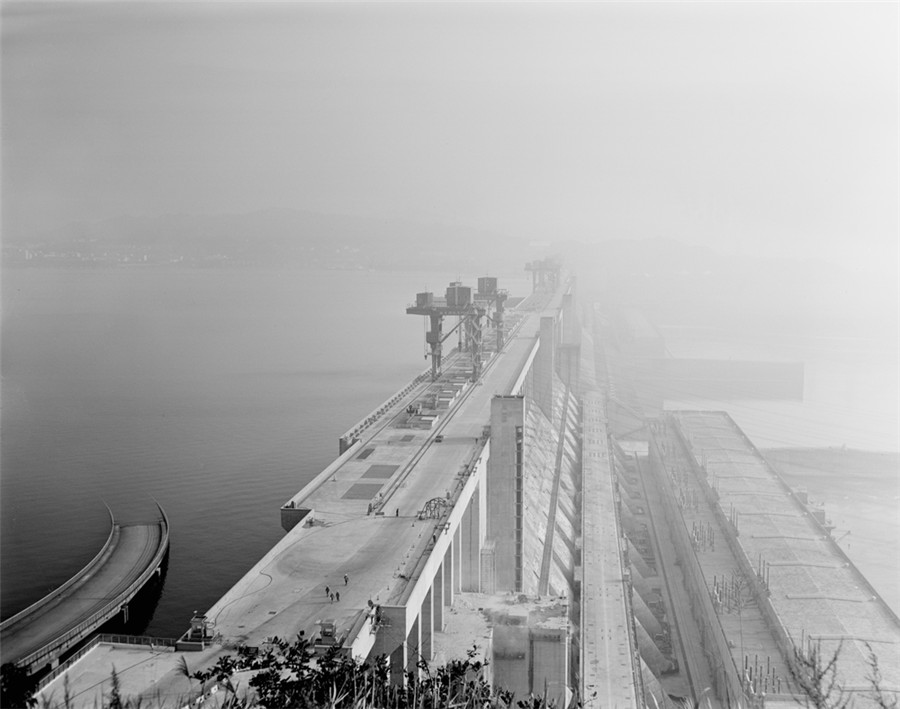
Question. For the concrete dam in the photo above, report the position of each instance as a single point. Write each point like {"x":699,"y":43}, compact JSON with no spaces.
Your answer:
{"x":529,"y":496}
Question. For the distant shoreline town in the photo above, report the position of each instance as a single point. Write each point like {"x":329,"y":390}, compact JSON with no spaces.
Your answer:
{"x":76,"y":256}
{"x":266,"y":238}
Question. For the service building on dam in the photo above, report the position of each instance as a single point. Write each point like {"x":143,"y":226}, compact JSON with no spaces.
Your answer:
{"x":526,"y":496}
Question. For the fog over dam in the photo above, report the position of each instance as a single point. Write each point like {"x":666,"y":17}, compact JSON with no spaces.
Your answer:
{"x":558,"y":337}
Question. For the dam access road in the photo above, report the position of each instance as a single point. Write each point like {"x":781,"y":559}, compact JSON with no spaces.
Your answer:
{"x":42,"y":633}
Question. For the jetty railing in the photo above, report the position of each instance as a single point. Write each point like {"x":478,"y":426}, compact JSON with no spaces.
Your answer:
{"x":140,"y":640}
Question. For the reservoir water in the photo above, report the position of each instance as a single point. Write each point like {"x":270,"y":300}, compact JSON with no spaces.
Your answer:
{"x":220,"y":393}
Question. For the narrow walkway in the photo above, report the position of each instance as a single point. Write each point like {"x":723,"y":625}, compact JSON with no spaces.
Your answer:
{"x":51,"y":627}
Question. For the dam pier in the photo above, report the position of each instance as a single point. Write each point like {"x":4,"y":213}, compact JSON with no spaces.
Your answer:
{"x":529,"y":495}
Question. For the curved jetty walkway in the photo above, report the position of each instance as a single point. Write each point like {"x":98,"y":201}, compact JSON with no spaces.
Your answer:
{"x":38,"y":635}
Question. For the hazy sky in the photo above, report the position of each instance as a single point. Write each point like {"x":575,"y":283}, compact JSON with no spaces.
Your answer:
{"x":760,"y":126}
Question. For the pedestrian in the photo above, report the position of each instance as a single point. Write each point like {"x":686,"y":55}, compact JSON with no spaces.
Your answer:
{"x":327,"y":590}
{"x":346,"y":579}
{"x":397,"y":513}
{"x":337,"y":595}
{"x":332,"y":598}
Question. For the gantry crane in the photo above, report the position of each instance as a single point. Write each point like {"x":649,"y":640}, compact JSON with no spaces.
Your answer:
{"x":471,"y":312}
{"x":544,"y":274}
{"x":491,"y":296}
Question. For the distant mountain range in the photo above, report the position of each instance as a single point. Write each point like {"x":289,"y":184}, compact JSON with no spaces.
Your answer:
{"x":674,"y":281}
